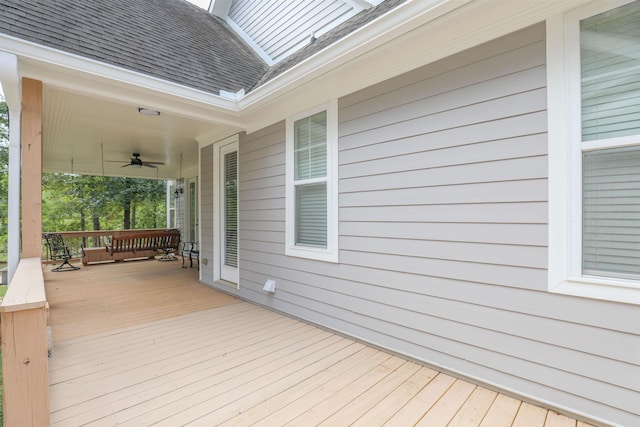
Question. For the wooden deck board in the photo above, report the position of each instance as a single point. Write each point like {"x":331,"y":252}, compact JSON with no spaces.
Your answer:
{"x":448,"y":405}
{"x":373,"y":396}
{"x":387,"y":408}
{"x":474,"y":409}
{"x":502,"y":412}
{"x":112,"y":296}
{"x":155,"y":347}
{"x":530,"y":416}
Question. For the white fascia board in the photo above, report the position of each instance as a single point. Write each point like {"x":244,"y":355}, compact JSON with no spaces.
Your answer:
{"x":359,"y":5}
{"x":248,"y":40}
{"x":375,"y":34}
{"x":10,"y":79}
{"x":76,"y":73}
{"x":220,"y":8}
{"x":415,"y":33}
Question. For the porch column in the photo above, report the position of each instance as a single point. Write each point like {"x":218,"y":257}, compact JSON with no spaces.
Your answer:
{"x":31,"y":168}
{"x":13,"y":97}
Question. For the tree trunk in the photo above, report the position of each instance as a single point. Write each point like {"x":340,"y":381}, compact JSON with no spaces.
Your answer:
{"x":127,"y":214}
{"x":96,"y":226}
{"x":83,"y":221}
{"x":155,"y":215}
{"x":133,"y":215}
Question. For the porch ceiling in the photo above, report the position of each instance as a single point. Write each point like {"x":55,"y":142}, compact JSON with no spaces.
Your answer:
{"x":87,"y":133}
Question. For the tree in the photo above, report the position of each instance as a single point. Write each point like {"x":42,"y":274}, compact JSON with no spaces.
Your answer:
{"x":72,"y":202}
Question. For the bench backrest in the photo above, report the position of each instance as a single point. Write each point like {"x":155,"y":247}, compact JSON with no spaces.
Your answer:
{"x":144,"y":241}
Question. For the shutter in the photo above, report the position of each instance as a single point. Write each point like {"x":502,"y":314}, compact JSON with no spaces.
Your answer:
{"x":610,"y":66}
{"x":311,"y":215}
{"x":611,"y":213}
{"x":231,"y":209}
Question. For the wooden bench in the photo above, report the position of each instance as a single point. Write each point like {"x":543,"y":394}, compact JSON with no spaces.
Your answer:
{"x":131,"y":245}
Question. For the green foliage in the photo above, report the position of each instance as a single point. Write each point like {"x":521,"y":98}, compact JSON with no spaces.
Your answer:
{"x":82,"y":202}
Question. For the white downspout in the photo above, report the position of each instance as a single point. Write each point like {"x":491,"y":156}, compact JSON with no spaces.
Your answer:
{"x":11,"y":87}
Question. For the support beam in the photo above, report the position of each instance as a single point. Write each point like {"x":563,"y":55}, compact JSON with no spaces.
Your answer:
{"x":31,"y":168}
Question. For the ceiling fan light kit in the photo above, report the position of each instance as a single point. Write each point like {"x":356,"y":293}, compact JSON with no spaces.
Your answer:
{"x":137,"y":162}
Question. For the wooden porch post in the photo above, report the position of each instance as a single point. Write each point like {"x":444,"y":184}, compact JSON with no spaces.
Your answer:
{"x":31,"y":168}
{"x":25,"y":366}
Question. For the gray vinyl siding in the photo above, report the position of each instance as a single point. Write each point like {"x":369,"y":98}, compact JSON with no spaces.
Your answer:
{"x":263,"y":22}
{"x":443,"y":211}
{"x":206,"y":213}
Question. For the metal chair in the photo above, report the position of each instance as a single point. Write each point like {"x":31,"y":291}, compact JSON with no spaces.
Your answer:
{"x":191,"y":249}
{"x":59,"y":251}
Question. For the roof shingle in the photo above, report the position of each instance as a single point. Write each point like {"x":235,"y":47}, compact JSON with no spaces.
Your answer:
{"x":169,"y":39}
{"x":172,"y":39}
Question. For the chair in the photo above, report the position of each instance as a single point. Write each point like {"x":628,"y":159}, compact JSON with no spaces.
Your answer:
{"x":59,"y":251}
{"x":169,"y":243}
{"x":191,"y":249}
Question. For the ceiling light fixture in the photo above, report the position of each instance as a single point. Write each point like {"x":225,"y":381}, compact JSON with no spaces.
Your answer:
{"x":179,"y":190}
{"x":148,"y":112}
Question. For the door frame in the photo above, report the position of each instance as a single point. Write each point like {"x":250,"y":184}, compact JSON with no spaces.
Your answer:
{"x":219,"y":149}
{"x":188,"y":210}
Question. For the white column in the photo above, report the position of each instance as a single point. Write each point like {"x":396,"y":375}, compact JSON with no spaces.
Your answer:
{"x":11,"y":87}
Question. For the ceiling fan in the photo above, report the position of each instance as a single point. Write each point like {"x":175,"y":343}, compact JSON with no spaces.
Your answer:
{"x":136,"y":162}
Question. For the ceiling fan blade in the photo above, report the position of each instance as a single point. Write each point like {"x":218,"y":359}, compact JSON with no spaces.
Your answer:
{"x":124,"y":166}
{"x":146,"y":164}
{"x":154,"y":163}
{"x":114,"y":161}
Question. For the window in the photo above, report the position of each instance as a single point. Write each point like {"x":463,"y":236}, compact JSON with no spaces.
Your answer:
{"x":312,"y":184}
{"x":171,"y":204}
{"x":594,"y":151}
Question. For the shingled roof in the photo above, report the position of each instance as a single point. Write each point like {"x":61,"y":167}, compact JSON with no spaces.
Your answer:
{"x":169,"y":39}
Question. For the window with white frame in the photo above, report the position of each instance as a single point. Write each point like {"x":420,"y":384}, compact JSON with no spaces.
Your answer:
{"x":311,"y":161}
{"x":171,"y":204}
{"x":594,"y":151}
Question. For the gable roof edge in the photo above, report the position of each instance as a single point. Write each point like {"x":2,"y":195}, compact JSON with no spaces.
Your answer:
{"x":41,"y":62}
{"x":376,"y":33}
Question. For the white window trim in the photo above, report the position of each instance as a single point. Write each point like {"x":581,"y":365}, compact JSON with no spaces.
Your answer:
{"x":565,"y":164}
{"x":330,"y":254}
{"x":171,"y":200}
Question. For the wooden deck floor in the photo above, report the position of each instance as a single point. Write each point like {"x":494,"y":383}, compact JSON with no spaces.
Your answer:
{"x":142,"y":343}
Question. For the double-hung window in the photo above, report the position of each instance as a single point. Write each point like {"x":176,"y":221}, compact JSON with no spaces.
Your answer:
{"x":312,"y":184}
{"x":594,"y":151}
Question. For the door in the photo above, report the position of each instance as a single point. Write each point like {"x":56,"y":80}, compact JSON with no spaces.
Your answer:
{"x":228,"y":205}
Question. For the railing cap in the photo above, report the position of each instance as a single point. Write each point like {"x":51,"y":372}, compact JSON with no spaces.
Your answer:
{"x":26,"y":290}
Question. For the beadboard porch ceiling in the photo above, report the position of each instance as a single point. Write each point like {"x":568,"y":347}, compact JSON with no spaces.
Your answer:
{"x":95,"y":136}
